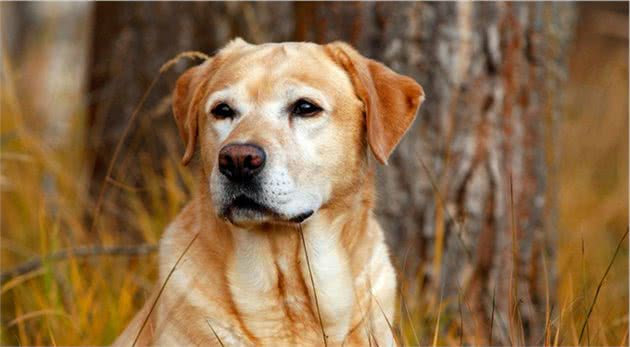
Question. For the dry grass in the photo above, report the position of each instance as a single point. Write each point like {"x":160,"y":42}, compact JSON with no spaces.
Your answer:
{"x":593,"y":186}
{"x":79,"y":301}
{"x":88,"y":300}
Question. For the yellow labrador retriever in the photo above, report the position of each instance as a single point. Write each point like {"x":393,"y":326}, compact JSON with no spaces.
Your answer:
{"x":280,"y":246}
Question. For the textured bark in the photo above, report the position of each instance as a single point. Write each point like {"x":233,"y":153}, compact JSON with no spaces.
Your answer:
{"x":465,"y":200}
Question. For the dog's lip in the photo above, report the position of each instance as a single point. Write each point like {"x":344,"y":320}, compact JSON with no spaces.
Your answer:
{"x":301,"y":217}
{"x":246,"y":203}
{"x":243,"y":202}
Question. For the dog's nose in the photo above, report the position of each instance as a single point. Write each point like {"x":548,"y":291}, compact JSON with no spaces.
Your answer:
{"x":241,"y":162}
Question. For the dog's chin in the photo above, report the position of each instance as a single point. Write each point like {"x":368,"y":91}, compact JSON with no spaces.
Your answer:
{"x":246,"y":212}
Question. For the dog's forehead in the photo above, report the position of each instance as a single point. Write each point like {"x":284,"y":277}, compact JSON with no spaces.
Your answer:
{"x":263,"y":68}
{"x":276,"y":57}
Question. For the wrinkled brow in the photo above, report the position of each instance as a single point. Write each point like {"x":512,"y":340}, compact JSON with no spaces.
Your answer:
{"x":227,"y":95}
{"x":292,"y":91}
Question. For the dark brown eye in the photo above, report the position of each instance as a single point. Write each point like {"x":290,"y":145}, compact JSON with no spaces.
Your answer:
{"x":303,"y":108}
{"x":222,"y":111}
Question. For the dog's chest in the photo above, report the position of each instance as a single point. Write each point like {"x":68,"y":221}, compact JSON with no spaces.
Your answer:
{"x":271,"y":284}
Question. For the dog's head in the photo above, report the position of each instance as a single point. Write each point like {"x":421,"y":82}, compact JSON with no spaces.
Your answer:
{"x":284,"y":127}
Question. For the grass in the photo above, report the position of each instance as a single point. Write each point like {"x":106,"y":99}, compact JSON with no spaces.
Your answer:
{"x":87,"y":300}
{"x":44,"y":206}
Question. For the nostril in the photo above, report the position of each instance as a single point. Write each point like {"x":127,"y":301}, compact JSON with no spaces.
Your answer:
{"x":226,"y":164}
{"x":247,"y":162}
{"x":256,"y":161}
{"x":224,"y":160}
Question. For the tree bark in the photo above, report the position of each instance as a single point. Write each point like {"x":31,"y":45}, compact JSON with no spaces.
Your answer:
{"x":466,"y":200}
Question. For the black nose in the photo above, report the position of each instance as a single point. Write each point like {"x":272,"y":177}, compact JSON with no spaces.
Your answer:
{"x":241,"y":162}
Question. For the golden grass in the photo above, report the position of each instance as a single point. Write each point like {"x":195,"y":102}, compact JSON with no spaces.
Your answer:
{"x":44,"y":204}
{"x":593,"y":189}
{"x":88,"y":301}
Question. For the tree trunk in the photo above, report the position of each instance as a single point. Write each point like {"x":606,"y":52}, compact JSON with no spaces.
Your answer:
{"x":466,"y":201}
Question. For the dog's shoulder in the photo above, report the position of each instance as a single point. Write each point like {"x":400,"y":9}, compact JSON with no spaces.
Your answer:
{"x":180,"y":231}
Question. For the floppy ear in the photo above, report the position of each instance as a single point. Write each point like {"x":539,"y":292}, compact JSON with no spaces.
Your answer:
{"x":186,"y":97}
{"x":391,"y":100}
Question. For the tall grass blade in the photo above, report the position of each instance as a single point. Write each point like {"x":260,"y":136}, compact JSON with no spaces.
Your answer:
{"x":112,"y":162}
{"x":310,"y":274}
{"x":24,"y":317}
{"x":437,"y":321}
{"x":168,"y":277}
{"x":461,"y":319}
{"x":403,"y":300}
{"x":367,"y":327}
{"x":588,"y":333}
{"x":599,"y":286}
{"x":215,"y":333}
{"x":389,"y":324}
{"x":548,"y":307}
{"x":494,"y":303}
{"x":130,"y":122}
{"x":460,"y":228}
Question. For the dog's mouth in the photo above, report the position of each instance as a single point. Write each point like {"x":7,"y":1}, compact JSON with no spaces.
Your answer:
{"x":245,"y":210}
{"x":244,"y":203}
{"x":301,"y":217}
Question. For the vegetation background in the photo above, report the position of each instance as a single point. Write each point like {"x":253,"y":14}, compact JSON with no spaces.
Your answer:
{"x":51,"y":184}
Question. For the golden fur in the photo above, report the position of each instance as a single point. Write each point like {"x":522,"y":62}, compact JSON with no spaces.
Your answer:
{"x":249,"y":281}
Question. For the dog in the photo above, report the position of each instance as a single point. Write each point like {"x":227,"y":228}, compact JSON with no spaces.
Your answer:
{"x":280,"y":247}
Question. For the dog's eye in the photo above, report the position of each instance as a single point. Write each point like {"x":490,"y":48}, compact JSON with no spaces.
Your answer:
{"x":305,"y":108}
{"x":222,"y":111}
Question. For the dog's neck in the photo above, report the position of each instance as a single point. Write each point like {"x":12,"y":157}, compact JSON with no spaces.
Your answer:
{"x":272,"y":264}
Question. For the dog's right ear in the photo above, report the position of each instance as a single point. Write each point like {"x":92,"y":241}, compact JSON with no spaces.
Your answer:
{"x":186,"y":98}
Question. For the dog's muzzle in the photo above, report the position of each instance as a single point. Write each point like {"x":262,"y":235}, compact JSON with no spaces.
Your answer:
{"x":241,"y":166}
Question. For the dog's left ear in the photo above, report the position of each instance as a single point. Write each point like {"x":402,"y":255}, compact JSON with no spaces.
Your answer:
{"x":391,"y":100}
{"x":186,"y":96}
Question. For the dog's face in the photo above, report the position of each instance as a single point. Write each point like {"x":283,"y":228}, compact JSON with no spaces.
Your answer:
{"x":284,"y":128}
